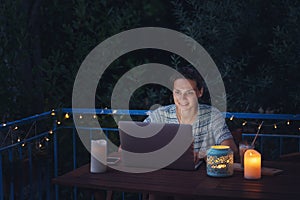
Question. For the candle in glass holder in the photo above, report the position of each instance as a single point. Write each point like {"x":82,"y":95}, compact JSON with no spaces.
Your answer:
{"x":252,"y":164}
{"x":219,"y":161}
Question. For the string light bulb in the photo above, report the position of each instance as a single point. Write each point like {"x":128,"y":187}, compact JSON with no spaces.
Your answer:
{"x":18,"y":140}
{"x":67,"y":116}
{"x":288,"y":122}
{"x":260,"y":125}
{"x":80,"y":117}
{"x":244,"y":123}
{"x":275,"y":126}
{"x":50,"y":132}
{"x":58,"y":122}
{"x":95,"y":116}
{"x":231,"y":118}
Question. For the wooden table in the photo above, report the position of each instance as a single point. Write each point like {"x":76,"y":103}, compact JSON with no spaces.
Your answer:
{"x":197,"y":184}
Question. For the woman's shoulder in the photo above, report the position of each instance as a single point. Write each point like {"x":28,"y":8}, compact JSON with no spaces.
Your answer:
{"x":208,"y":109}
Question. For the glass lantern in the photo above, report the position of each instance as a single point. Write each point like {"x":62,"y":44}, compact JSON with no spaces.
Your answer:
{"x":219,"y":161}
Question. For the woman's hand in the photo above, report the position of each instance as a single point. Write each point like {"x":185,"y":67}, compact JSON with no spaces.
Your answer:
{"x":196,"y":157}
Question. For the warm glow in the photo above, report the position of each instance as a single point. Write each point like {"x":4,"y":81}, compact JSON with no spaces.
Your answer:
{"x":67,"y":116}
{"x":220,"y":166}
{"x":252,"y":164}
{"x":220,"y":147}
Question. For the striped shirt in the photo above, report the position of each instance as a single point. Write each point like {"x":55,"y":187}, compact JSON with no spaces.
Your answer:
{"x":209,"y":128}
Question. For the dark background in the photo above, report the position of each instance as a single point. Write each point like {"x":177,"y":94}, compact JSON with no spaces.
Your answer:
{"x":255,"y":45}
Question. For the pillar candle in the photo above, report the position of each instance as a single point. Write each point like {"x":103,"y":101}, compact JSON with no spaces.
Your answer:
{"x":252,"y":164}
{"x":98,"y":156}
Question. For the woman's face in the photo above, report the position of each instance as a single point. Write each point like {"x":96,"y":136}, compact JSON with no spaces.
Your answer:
{"x":186,"y":94}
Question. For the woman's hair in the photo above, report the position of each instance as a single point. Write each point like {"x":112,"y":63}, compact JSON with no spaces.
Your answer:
{"x":188,"y":73}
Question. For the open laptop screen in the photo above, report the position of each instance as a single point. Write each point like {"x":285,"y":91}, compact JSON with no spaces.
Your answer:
{"x":157,"y":145}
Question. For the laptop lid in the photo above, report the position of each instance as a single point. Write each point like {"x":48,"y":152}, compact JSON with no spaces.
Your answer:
{"x":157,"y":145}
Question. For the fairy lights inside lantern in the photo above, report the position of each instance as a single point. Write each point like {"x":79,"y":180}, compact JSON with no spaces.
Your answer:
{"x":219,"y":161}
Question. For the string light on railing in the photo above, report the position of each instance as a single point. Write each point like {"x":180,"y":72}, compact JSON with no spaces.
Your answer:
{"x":47,"y":139}
{"x":53,"y":112}
{"x":23,"y":145}
{"x":50,"y":132}
{"x":4,"y":124}
{"x":58,"y":122}
{"x":16,"y":128}
{"x":94,"y":116}
{"x":80,"y":116}
{"x":19,"y":139}
{"x":67,"y":116}
{"x":249,"y":123}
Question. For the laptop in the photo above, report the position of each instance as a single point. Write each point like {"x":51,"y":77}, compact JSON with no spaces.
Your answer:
{"x":157,"y":145}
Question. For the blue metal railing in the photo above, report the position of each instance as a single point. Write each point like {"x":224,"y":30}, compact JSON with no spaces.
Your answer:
{"x":12,"y":154}
{"x":16,"y":151}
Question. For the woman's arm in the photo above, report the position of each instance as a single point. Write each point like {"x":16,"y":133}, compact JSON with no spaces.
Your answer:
{"x":230,"y":142}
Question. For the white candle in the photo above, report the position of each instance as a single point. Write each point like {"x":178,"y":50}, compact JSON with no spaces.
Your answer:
{"x":98,"y":156}
{"x":252,"y":164}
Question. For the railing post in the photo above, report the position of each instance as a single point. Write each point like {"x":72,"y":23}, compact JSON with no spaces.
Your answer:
{"x":74,"y":159}
{"x":20,"y":173}
{"x":261,"y":144}
{"x":55,"y":156}
{"x":30,"y":167}
{"x":1,"y":179}
{"x":280,"y":146}
{"x":74,"y":148}
{"x":299,"y":144}
{"x":10,"y":159}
